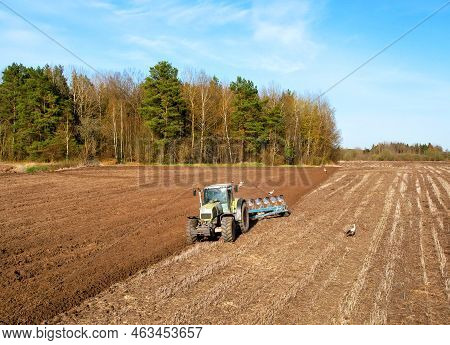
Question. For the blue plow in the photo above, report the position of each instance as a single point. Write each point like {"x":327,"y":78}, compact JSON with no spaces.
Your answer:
{"x":268,"y":211}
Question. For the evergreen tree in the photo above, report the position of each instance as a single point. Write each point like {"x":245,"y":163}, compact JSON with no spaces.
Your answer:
{"x":272,"y":135}
{"x":246,"y":118}
{"x":33,"y":104}
{"x":163,"y":107}
{"x":11,"y":90}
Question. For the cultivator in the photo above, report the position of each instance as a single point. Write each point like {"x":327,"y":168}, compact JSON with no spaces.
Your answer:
{"x":220,"y":213}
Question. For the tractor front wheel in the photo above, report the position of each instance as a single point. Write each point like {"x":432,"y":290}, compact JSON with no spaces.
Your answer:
{"x":191,"y":234}
{"x":228,"y":229}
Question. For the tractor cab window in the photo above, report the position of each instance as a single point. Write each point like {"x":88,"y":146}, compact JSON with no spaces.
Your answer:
{"x":216,"y":194}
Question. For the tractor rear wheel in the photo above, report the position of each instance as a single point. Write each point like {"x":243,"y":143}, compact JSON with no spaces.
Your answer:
{"x":228,"y":229}
{"x":244,"y":222}
{"x":191,"y":226}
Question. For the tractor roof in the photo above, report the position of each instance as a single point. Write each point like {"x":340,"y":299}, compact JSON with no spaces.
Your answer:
{"x":219,"y":185}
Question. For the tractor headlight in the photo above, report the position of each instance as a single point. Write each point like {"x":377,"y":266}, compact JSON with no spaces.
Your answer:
{"x":205,"y":216}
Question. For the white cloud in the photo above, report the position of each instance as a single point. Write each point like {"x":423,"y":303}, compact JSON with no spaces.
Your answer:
{"x":165,"y":43}
{"x":101,"y":4}
{"x":287,"y":35}
{"x":202,"y":13}
{"x":281,"y":32}
{"x":286,"y":22}
{"x":207,"y":13}
{"x":260,"y":35}
{"x":159,"y":43}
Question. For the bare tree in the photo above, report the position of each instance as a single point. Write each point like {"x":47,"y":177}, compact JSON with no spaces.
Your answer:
{"x":225,"y":107}
{"x":204,"y":85}
{"x":190,"y":93}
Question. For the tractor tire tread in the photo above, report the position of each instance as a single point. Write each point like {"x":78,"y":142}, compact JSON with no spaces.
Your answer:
{"x":190,"y":226}
{"x":228,"y":229}
{"x":244,"y":223}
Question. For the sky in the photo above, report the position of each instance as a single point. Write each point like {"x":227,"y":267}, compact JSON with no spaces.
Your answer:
{"x":305,"y":46}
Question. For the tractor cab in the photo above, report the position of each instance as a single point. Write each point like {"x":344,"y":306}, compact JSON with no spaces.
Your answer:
{"x":221,"y":193}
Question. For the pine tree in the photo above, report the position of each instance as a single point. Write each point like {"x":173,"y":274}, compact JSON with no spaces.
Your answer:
{"x":163,"y":107}
{"x":11,"y":90}
{"x":246,"y":118}
{"x":33,"y":103}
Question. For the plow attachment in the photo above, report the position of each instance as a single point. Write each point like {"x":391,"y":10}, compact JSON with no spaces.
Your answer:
{"x":267,"y":207}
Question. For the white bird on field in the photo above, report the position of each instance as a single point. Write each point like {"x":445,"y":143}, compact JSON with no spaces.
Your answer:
{"x":271,"y":192}
{"x":325,"y":170}
{"x":351,"y":231}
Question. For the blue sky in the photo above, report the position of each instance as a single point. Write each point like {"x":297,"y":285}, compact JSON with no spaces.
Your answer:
{"x":306,"y":46}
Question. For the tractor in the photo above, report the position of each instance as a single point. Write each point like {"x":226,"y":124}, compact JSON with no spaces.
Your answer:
{"x":221,"y":213}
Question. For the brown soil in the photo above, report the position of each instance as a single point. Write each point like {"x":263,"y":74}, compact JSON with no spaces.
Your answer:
{"x":66,"y":236}
{"x":7,"y":168}
{"x":302,"y":269}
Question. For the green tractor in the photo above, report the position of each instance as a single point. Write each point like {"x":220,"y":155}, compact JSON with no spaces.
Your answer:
{"x":221,"y":213}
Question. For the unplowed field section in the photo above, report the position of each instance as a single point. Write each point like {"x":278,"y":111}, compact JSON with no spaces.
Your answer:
{"x":302,"y":269}
{"x":66,"y":236}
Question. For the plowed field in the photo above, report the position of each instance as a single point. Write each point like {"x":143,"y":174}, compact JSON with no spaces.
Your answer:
{"x":67,"y":236}
{"x":302,"y":269}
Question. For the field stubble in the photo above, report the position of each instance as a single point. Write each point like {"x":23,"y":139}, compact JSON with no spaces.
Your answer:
{"x":302,"y":269}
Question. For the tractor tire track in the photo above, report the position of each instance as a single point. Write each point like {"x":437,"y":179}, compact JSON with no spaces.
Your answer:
{"x":378,"y":315}
{"x":435,"y":257}
{"x":423,"y":264}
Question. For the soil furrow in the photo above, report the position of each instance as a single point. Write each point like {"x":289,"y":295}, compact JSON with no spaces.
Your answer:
{"x":350,"y":299}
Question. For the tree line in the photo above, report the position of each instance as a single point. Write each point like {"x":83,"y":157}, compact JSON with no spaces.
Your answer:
{"x":163,"y":118}
{"x":397,"y":152}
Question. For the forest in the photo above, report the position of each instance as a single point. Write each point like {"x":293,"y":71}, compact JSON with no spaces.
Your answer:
{"x":164,"y":118}
{"x":397,"y":152}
